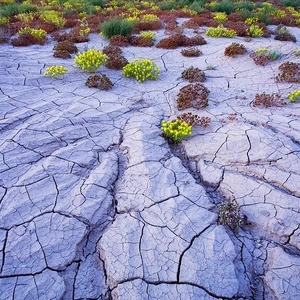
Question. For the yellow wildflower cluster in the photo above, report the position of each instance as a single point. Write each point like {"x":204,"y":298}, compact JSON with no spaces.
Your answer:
{"x":4,"y":20}
{"x":279,"y":13}
{"x":296,"y":52}
{"x":55,"y":71}
{"x":187,"y":10}
{"x":142,"y":69}
{"x":55,"y":17}
{"x":26,"y":17}
{"x":262,"y":51}
{"x":89,"y":60}
{"x":255,"y":31}
{"x":149,"y":18}
{"x":294,"y":96}
{"x":293,"y":11}
{"x":176,"y":130}
{"x":250,"y":21}
{"x":37,"y":33}
{"x":148,"y":35}
{"x":220,"y":31}
{"x":84,"y":30}
{"x":220,"y":17}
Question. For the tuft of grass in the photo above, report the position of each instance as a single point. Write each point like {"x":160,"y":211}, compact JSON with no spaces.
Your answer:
{"x":116,"y":26}
{"x":11,"y":9}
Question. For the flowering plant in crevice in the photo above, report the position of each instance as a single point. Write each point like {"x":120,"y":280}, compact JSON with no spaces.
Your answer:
{"x":176,"y":130}
{"x":142,"y":69}
{"x":89,"y":60}
{"x":294,"y":96}
{"x":55,"y":71}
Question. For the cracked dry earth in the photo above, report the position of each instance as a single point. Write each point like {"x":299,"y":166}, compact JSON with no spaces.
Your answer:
{"x":95,"y":204}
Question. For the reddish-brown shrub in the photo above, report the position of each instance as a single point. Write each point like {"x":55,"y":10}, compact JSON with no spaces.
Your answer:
{"x":65,"y":45}
{"x":27,"y":39}
{"x":234,"y":49}
{"x":260,"y":60}
{"x":190,"y":24}
{"x":289,"y":72}
{"x":119,"y":40}
{"x":112,"y":50}
{"x":193,"y":41}
{"x":239,"y":27}
{"x":101,"y":82}
{"x":191,"y":52}
{"x":193,"y":119}
{"x":193,"y":75}
{"x":192,"y":95}
{"x":268,"y":100}
{"x":143,"y":26}
{"x":235,"y":17}
{"x":171,"y":42}
{"x":140,"y":41}
{"x":115,"y":62}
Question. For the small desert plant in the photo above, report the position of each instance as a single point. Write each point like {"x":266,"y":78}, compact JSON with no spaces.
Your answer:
{"x":119,"y":41}
{"x":142,"y":69}
{"x":220,"y":31}
{"x":191,"y":52}
{"x":225,"y":6}
{"x":149,"y":18}
{"x":115,"y":62}
{"x":112,"y":50}
{"x":230,"y":215}
{"x":176,"y":130}
{"x":268,"y":100}
{"x":26,"y":17}
{"x":65,"y":46}
{"x":55,"y":71}
{"x":296,"y":52}
{"x":171,"y":42}
{"x":140,"y":41}
{"x":294,"y":96}
{"x":89,"y":60}
{"x":52,"y":16}
{"x":255,"y":31}
{"x":289,"y":72}
{"x":262,"y":56}
{"x":192,"y":95}
{"x":194,"y":120}
{"x":37,"y":33}
{"x":116,"y":27}
{"x":234,"y":49}
{"x":193,"y":75}
{"x":220,"y":17}
{"x":148,"y":35}
{"x":282,"y":34}
{"x":101,"y":82}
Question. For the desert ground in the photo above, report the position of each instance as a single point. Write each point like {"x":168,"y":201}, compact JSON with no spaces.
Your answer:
{"x":97,"y":204}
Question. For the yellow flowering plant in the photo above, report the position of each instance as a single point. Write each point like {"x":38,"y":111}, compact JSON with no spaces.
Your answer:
{"x":176,"y":130}
{"x":89,"y":60}
{"x":52,"y":16}
{"x":148,"y":35}
{"x":220,"y":17}
{"x":37,"y":33}
{"x":142,"y":69}
{"x":255,"y":31}
{"x":220,"y":31}
{"x":55,"y":71}
{"x":294,"y":96}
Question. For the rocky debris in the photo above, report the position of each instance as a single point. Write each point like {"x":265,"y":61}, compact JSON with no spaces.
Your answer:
{"x":95,"y":204}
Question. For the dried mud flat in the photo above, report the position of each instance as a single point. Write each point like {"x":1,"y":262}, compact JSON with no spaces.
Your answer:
{"x":95,"y":204}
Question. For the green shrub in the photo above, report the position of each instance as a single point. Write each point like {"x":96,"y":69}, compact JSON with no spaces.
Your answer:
{"x":9,"y":10}
{"x":176,"y":130}
{"x":116,"y":27}
{"x":142,"y":69}
{"x":220,"y":31}
{"x":225,"y":6}
{"x":292,"y":3}
{"x":89,"y":60}
{"x":255,"y":31}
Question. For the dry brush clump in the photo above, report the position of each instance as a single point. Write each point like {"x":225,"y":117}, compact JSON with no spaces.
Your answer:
{"x":282,"y":34}
{"x":235,"y":49}
{"x":289,"y":72}
{"x":179,"y":40}
{"x":101,"y":82}
{"x":27,"y":39}
{"x":268,"y":100}
{"x":140,"y":41}
{"x":194,"y":120}
{"x":112,"y":50}
{"x":115,"y":62}
{"x":64,"y":49}
{"x":119,"y":41}
{"x":191,"y":52}
{"x":192,"y":95}
{"x":193,"y":75}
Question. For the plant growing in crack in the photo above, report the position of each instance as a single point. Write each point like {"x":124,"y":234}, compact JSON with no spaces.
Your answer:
{"x":229,"y":214}
{"x":176,"y":130}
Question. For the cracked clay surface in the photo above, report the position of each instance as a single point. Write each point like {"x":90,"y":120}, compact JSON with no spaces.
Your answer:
{"x":95,"y":204}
